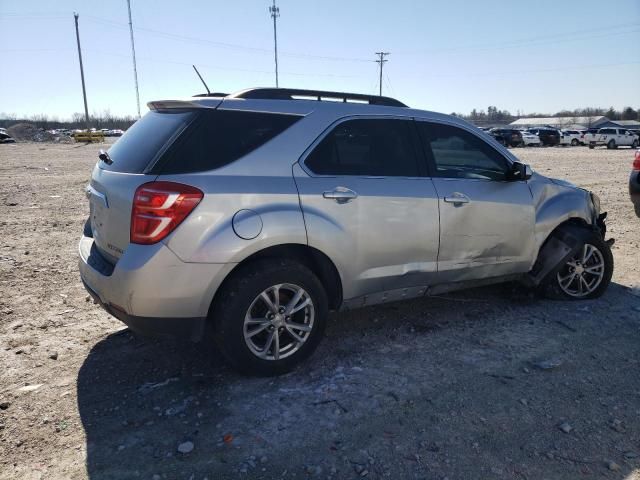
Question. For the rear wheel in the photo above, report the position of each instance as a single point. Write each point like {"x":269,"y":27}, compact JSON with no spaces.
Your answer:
{"x":591,"y":146}
{"x":574,"y":142}
{"x":270,"y":316}
{"x":611,"y":145}
{"x":584,"y":276}
{"x":634,"y":145}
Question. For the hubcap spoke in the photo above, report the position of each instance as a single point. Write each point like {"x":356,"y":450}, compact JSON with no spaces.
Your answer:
{"x":296,"y":337}
{"x":261,"y":328}
{"x":270,"y":305}
{"x":300,"y":306}
{"x":298,"y":326}
{"x":276,"y":344}
{"x":294,"y":301}
{"x":267,"y":346}
{"x":253,"y":321}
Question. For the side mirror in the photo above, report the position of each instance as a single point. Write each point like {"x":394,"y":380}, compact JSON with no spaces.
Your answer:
{"x":521,"y":171}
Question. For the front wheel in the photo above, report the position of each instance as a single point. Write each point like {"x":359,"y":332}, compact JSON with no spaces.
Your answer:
{"x":634,"y":145}
{"x":574,"y":142}
{"x":270,"y":316}
{"x":584,"y":276}
{"x":611,"y":145}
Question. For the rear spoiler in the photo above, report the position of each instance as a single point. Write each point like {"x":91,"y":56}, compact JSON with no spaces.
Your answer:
{"x":201,"y":102}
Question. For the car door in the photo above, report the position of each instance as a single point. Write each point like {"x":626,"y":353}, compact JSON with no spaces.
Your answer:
{"x":370,"y":207}
{"x":486,"y":219}
{"x":626,"y":138}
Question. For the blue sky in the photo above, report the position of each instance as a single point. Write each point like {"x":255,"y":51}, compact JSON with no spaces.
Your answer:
{"x":446,"y":56}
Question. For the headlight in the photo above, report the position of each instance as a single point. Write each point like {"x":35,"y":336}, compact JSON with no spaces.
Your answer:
{"x":595,"y":199}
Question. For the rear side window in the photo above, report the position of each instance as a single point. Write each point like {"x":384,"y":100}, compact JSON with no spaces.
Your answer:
{"x":219,"y":137}
{"x":145,"y":140}
{"x":367,"y":147}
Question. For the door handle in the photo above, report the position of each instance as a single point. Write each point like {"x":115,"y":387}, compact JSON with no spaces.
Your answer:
{"x":340,"y":194}
{"x":457,"y":198}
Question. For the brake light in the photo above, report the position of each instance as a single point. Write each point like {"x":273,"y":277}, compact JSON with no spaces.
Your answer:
{"x":636,"y":162}
{"x":158,"y":208}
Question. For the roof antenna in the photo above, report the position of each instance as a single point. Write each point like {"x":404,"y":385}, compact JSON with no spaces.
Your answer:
{"x":202,"y":80}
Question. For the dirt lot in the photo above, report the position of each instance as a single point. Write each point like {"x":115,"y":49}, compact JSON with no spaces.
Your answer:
{"x":448,"y":387}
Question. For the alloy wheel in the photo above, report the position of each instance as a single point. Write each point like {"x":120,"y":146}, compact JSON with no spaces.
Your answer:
{"x":279,"y":321}
{"x":582,"y":275}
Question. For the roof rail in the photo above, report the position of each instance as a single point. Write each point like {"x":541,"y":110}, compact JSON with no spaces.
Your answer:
{"x":319,"y":95}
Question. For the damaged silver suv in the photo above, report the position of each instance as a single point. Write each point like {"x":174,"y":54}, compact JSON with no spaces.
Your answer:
{"x":252,"y":215}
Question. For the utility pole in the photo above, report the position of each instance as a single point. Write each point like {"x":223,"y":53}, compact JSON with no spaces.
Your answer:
{"x":84,"y":90}
{"x":275,"y":13}
{"x":133,"y":53}
{"x":381,"y":61}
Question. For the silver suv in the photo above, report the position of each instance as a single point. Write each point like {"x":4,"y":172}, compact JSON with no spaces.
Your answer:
{"x":255,"y":214}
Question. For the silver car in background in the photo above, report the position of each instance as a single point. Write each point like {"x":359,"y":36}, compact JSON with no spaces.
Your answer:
{"x":251,"y":216}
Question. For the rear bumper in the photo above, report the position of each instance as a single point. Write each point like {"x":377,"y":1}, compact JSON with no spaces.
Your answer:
{"x":150,"y":289}
{"x":188,"y":328}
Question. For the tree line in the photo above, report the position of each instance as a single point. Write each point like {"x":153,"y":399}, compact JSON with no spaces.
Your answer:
{"x":96,"y":120}
{"x":493,"y":115}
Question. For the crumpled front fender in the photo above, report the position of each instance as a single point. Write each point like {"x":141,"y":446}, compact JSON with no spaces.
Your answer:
{"x":557,"y":202}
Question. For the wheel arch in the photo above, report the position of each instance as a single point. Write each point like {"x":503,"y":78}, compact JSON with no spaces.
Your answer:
{"x":318,"y":262}
{"x":558,"y":245}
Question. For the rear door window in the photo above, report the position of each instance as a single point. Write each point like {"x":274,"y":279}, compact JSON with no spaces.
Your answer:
{"x":218,"y":137}
{"x":145,"y":140}
{"x":367,"y":147}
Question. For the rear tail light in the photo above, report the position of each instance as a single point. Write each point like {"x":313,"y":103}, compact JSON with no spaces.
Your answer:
{"x":636,"y":162}
{"x":158,"y":208}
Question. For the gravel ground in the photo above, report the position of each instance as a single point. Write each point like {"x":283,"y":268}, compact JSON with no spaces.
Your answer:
{"x":490,"y":383}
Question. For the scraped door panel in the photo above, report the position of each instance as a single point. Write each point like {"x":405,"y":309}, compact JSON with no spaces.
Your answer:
{"x":489,"y":235}
{"x":385,"y":239}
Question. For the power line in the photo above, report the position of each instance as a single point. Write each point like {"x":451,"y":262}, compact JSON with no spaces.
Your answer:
{"x":508,"y":43}
{"x":275,"y":13}
{"x":133,"y":54}
{"x":543,"y":70}
{"x":248,"y":49}
{"x":381,"y":61}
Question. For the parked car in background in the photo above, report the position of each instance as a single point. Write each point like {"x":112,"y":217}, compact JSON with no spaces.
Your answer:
{"x":530,"y":139}
{"x":5,"y":137}
{"x":509,"y":137}
{"x":634,"y":183}
{"x":115,"y":133}
{"x":614,"y":138}
{"x":549,"y":137}
{"x":256,"y":213}
{"x":571,"y":137}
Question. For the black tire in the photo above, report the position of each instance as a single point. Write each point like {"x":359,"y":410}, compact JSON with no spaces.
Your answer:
{"x":551,"y":287}
{"x":636,"y":207}
{"x":591,"y":147}
{"x":611,"y":145}
{"x":634,"y":145}
{"x":238,"y":294}
{"x":574,"y":142}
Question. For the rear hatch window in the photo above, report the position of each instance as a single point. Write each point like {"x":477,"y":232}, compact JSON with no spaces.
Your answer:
{"x":146,"y":140}
{"x":216,"y":138}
